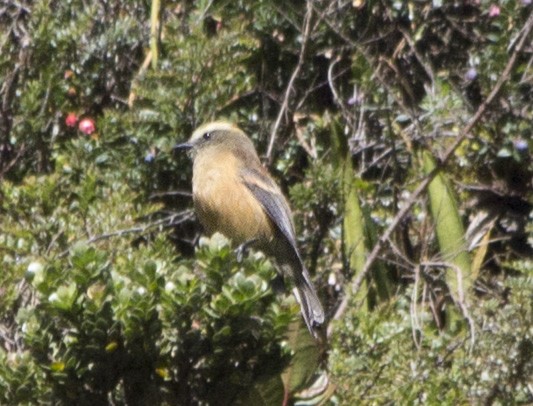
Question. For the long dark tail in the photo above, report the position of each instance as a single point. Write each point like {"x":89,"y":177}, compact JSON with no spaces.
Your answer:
{"x":311,"y":308}
{"x":290,"y":265}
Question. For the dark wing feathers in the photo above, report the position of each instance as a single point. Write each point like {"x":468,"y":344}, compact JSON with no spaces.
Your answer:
{"x":273,"y":202}
{"x":268,"y":194}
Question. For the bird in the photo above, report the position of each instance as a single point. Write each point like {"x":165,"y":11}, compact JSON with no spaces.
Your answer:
{"x":234,"y":194}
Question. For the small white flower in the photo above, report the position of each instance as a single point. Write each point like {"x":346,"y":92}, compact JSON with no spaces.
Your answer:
{"x":332,"y":279}
{"x":170,"y":286}
{"x":35,"y":267}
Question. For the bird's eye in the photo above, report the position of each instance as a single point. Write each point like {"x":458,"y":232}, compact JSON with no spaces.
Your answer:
{"x":207,"y":136}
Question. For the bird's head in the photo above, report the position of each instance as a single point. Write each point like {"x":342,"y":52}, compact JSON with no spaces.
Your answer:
{"x":217,"y":134}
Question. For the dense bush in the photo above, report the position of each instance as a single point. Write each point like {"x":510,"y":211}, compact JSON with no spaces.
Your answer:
{"x":401,"y":131}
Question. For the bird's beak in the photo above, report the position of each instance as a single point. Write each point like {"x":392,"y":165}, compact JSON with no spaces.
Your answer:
{"x":183,"y":146}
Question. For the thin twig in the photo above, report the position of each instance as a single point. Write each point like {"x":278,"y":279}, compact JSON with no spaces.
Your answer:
{"x":173,"y":193}
{"x":142,"y":70}
{"x":336,"y":96}
{"x":420,"y":58}
{"x":155,"y":30}
{"x":356,"y":283}
{"x":165,"y":222}
{"x":415,"y":324}
{"x":295,"y":73}
{"x":5,"y":168}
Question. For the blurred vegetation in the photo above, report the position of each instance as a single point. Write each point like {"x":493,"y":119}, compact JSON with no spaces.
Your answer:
{"x":108,"y":295}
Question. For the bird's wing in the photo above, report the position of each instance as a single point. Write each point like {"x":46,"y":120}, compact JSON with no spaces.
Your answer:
{"x":272,"y":200}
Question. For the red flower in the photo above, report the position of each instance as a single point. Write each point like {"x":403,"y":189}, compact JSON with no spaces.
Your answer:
{"x":71,"y":120}
{"x":87,"y":126}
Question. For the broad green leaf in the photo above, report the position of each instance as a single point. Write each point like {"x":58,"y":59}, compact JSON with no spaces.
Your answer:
{"x":304,"y":361}
{"x":265,"y":391}
{"x":358,"y":231}
{"x":450,"y":231}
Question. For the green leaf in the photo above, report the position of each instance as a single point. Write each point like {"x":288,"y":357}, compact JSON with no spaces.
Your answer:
{"x":505,"y":153}
{"x":265,"y":391}
{"x":450,"y":231}
{"x":57,"y":366}
{"x":358,"y":232}
{"x":64,"y":297}
{"x":306,"y":355}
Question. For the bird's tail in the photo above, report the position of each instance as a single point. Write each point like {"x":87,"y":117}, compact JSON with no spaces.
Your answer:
{"x":312,"y":310}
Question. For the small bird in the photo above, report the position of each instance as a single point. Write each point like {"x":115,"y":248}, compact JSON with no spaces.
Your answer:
{"x":233,"y":194}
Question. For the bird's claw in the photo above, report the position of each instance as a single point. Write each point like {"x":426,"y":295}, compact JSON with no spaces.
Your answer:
{"x":240,"y":251}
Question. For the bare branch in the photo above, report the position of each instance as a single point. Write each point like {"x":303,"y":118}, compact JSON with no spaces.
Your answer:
{"x":169,"y":221}
{"x":166,"y":222}
{"x":295,"y":73}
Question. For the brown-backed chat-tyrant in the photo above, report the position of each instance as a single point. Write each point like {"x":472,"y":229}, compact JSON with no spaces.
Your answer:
{"x":234,"y":195}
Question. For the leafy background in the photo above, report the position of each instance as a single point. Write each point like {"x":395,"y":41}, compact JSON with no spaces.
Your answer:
{"x":400,"y":130}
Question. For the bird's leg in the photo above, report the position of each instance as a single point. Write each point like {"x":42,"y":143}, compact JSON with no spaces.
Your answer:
{"x":241,"y":249}
{"x":278,"y":284}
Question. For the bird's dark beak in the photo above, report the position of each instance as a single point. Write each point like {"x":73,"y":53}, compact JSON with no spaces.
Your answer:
{"x":183,"y":146}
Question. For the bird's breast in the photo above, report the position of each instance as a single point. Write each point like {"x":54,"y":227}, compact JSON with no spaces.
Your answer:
{"x":224,"y":203}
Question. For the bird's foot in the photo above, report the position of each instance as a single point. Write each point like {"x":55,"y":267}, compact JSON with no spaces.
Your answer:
{"x":278,"y":285}
{"x":240,"y":251}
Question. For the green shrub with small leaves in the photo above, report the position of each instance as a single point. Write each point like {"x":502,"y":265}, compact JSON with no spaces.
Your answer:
{"x":369,"y":354}
{"x":110,"y":318}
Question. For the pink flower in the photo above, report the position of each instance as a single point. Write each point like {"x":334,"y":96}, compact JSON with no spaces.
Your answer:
{"x":71,"y":120}
{"x":87,"y":126}
{"x":494,"y":10}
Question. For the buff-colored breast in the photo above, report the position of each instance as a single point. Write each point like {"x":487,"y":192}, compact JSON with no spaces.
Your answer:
{"x":223,"y":203}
